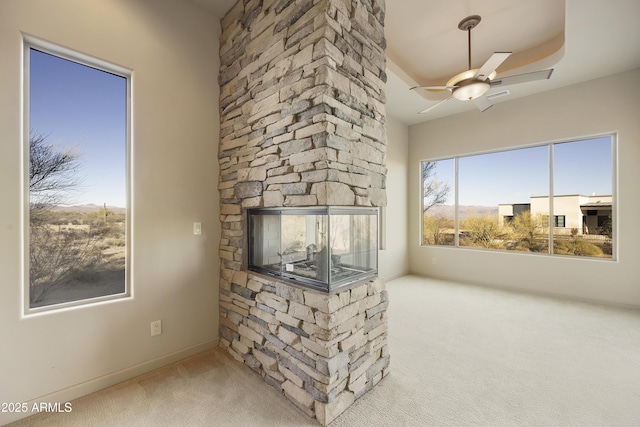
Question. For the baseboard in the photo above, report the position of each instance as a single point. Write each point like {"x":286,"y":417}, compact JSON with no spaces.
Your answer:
{"x":396,"y":276}
{"x":96,"y":384}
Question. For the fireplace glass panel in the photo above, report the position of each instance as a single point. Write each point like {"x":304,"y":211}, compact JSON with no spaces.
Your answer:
{"x":353,"y":245}
{"x":324,"y":248}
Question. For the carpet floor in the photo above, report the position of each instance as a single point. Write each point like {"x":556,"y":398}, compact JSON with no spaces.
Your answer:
{"x":461,"y":355}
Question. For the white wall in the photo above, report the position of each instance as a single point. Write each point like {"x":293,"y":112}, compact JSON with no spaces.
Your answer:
{"x":600,"y":106}
{"x":394,"y":259}
{"x":172,"y":46}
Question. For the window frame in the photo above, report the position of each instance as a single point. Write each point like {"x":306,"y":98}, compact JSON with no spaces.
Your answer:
{"x":31,"y":42}
{"x":613,"y":137}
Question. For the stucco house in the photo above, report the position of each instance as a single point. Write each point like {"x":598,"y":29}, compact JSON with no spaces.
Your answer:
{"x":585,"y":214}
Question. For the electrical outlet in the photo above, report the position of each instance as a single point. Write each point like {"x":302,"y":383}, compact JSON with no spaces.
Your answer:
{"x":156,"y":328}
{"x":197,"y":228}
{"x":434,"y":261}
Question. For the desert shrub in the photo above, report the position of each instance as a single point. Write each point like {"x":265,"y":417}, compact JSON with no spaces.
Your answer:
{"x":529,"y":233}
{"x":57,"y":257}
{"x":116,"y":242}
{"x":435,"y":230}
{"x":576,"y":246}
{"x":64,"y":217}
{"x":483,"y":231}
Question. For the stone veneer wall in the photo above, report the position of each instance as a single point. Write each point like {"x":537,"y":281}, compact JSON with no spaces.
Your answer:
{"x":322,"y":351}
{"x":302,"y":124}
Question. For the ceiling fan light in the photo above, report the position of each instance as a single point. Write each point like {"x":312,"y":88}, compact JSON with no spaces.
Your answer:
{"x":471,"y":90}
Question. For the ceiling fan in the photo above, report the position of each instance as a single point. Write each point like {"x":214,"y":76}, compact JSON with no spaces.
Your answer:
{"x":471,"y":85}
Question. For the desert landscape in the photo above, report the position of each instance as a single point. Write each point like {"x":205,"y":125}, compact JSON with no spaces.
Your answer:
{"x":76,"y":253}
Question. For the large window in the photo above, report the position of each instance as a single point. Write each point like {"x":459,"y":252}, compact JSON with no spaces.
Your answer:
{"x":77,"y":150}
{"x":553,"y":198}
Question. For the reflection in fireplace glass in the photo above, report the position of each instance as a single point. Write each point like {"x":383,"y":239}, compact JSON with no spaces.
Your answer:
{"x":324,"y":248}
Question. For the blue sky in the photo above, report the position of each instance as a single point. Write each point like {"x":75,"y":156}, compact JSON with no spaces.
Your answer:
{"x":78,"y":106}
{"x":581,"y":167}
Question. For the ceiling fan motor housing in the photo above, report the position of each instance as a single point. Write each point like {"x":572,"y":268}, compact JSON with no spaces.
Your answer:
{"x":470,"y":89}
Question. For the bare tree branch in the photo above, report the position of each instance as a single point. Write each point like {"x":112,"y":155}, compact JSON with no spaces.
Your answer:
{"x":435,"y":192}
{"x":53,"y":173}
{"x":53,"y":255}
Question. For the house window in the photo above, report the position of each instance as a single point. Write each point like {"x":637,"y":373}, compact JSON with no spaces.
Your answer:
{"x":504,"y":200}
{"x":77,"y":115}
{"x":558,"y":220}
{"x":603,"y":220}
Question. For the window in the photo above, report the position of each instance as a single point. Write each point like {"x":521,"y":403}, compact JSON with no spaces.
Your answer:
{"x":558,"y":220}
{"x":504,"y":200}
{"x":603,"y":220}
{"x":77,"y":125}
{"x":486,"y":182}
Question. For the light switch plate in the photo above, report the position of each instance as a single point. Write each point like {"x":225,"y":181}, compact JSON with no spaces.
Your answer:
{"x":197,"y":228}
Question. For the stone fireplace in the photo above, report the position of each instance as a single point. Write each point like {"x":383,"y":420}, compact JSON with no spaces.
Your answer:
{"x":302,"y":93}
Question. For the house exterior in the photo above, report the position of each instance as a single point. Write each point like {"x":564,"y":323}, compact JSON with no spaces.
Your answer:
{"x":586,"y":214}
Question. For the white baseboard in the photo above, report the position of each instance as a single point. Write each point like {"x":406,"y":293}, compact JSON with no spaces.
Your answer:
{"x":96,"y":384}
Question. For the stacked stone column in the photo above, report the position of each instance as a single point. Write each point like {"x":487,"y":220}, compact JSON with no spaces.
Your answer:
{"x":302,"y":124}
{"x":321,"y":351}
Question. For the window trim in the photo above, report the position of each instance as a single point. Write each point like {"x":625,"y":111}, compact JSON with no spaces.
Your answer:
{"x":613,"y":135}
{"x":31,"y":42}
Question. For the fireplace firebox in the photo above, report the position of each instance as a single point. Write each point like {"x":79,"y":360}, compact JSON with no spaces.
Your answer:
{"x":325,"y":248}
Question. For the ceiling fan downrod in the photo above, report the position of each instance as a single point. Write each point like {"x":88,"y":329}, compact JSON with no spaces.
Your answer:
{"x":467,"y":24}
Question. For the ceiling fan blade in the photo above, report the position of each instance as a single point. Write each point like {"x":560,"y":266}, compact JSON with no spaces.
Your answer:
{"x":490,"y":66}
{"x":482,"y":103}
{"x":434,"y":87}
{"x":523,"y":78}
{"x":426,"y":110}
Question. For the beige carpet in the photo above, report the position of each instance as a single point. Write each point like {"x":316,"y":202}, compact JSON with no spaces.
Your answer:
{"x":461,"y":356}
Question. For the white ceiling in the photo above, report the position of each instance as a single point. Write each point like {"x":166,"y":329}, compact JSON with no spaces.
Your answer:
{"x":580,"y":39}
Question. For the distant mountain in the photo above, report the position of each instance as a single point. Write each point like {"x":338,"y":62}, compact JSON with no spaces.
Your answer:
{"x":447,"y":211}
{"x":91,"y":207}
